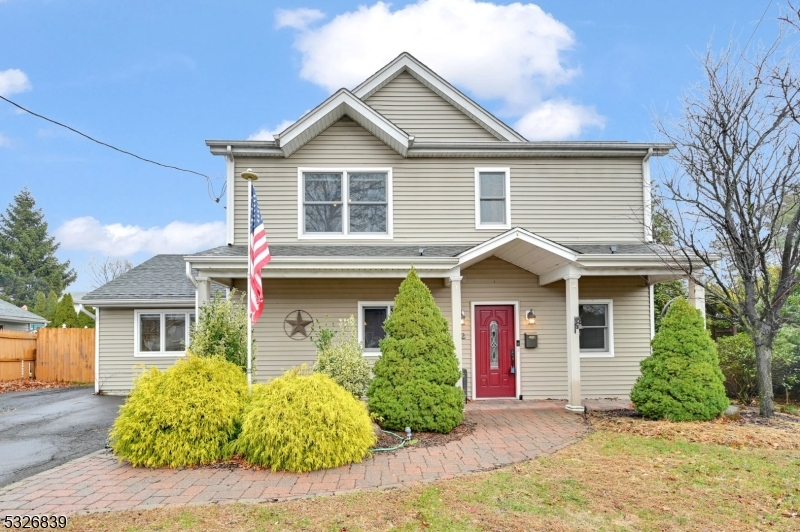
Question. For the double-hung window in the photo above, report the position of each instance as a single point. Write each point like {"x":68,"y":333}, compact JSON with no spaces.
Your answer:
{"x":597,"y":328}
{"x":492,"y":198}
{"x":345,"y":203}
{"x":371,"y":315}
{"x":162,"y":332}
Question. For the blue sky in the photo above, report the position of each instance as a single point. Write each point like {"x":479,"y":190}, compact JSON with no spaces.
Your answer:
{"x":159,"y":78}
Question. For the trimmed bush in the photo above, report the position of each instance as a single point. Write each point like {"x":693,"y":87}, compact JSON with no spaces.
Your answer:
{"x":183,"y":416}
{"x":415,"y":378}
{"x":342,"y":359}
{"x":303,"y":423}
{"x":221,"y":329}
{"x":681,"y":380}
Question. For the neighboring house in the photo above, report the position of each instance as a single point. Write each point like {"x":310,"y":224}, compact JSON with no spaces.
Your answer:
{"x":13,"y":318}
{"x":536,"y":252}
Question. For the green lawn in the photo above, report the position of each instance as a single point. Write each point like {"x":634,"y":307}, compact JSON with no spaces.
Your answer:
{"x":609,"y":481}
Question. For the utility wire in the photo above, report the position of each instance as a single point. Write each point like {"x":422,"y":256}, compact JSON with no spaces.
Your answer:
{"x":209,"y":183}
{"x":744,"y":50}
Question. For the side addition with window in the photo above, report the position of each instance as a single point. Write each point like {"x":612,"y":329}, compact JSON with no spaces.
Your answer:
{"x":162,"y":332}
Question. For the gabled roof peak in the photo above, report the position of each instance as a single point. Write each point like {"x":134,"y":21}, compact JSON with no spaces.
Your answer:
{"x":405,"y":62}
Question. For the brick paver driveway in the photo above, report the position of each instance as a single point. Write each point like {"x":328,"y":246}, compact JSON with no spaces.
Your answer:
{"x":506,"y":433}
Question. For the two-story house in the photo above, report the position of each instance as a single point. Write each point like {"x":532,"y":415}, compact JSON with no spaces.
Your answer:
{"x":536,"y":252}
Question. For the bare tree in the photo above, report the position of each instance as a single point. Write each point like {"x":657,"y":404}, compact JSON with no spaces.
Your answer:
{"x":108,"y":269}
{"x":735,"y":190}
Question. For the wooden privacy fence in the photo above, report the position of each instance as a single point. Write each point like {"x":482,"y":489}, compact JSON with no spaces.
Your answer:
{"x":51,"y":355}
{"x":17,"y":355}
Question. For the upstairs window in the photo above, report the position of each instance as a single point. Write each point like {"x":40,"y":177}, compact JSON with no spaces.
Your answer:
{"x":492,"y":198}
{"x":345,"y":203}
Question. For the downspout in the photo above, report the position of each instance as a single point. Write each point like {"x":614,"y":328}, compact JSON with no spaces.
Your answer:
{"x":194,"y":283}
{"x":647,"y":197}
{"x":229,"y":200}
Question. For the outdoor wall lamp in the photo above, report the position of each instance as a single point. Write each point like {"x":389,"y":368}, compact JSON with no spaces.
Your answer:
{"x":463,"y":316}
{"x":531,"y":317}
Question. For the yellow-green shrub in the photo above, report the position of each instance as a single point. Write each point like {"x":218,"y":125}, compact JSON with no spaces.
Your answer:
{"x":183,"y":416}
{"x":301,"y":423}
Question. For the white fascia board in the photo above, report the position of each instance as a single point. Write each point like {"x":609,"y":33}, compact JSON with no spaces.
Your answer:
{"x":229,"y":195}
{"x":344,"y":102}
{"x":142,"y":303}
{"x":538,"y":149}
{"x":429,"y":78}
{"x":244,"y":148}
{"x":630,"y":261}
{"x":487,"y":248}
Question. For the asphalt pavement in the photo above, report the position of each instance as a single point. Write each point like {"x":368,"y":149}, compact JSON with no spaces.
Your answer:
{"x":42,"y":429}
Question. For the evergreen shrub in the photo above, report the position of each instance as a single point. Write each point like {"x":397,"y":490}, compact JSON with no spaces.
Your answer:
{"x":301,"y":422}
{"x":221,"y":329}
{"x":183,"y":416}
{"x":342,"y":359}
{"x":737,"y":359}
{"x":414,"y":382}
{"x":681,"y":380}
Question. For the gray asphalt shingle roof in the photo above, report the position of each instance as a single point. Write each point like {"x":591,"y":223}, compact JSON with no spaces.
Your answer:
{"x":162,"y":277}
{"x":11,"y":312}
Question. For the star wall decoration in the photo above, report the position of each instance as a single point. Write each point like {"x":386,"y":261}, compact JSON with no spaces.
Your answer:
{"x":295,"y":324}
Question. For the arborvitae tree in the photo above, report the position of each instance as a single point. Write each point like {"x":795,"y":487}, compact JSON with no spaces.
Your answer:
{"x":45,"y":306}
{"x":84,"y":320}
{"x":415,"y":378}
{"x":27,"y":254}
{"x":65,"y":313}
{"x":681,"y":380}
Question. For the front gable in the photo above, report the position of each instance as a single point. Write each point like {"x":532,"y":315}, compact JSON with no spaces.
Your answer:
{"x":421,"y":112}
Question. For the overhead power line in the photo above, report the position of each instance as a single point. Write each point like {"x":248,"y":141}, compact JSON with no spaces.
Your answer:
{"x":209,"y":183}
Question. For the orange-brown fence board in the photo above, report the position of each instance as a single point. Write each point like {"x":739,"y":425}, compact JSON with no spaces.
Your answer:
{"x":17,"y":354}
{"x":65,"y":355}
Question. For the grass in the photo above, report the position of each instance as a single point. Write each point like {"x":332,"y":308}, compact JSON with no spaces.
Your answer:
{"x":611,"y":480}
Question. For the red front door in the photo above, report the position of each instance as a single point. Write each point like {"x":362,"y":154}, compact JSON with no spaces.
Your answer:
{"x":494,"y":345}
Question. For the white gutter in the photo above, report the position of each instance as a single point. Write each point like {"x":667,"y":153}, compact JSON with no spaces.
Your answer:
{"x":229,"y":205}
{"x":648,"y":200}
{"x":189,"y":274}
{"x":194,"y":283}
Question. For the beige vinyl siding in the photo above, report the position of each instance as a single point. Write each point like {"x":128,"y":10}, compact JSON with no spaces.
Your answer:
{"x":323,"y":299}
{"x":614,"y":377}
{"x":419,"y":111}
{"x":543,"y":370}
{"x":564,"y":199}
{"x":118,"y":367}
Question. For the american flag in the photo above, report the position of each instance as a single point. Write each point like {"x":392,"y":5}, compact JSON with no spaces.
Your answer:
{"x":259,"y":257}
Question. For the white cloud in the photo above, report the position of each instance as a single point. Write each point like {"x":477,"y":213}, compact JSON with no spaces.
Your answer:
{"x":4,"y":141}
{"x":13,"y":81}
{"x":298,"y":19}
{"x":267,"y":133}
{"x":88,"y":234}
{"x":512,"y":53}
{"x":558,"y":119}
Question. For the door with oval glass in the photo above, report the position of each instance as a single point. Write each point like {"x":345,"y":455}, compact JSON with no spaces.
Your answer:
{"x":495,"y":358}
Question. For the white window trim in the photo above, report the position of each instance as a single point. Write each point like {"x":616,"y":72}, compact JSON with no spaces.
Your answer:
{"x":610,"y":352}
{"x":162,"y":312}
{"x":478,"y":224}
{"x":372,"y":352}
{"x":301,"y":235}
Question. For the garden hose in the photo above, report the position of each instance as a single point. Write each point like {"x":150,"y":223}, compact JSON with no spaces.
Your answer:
{"x":387,"y":449}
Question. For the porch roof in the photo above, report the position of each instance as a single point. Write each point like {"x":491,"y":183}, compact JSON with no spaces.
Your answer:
{"x":549,"y":260}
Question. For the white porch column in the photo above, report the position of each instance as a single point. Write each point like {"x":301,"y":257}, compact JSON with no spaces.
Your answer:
{"x":455,"y":302}
{"x":203,"y":291}
{"x":574,"y":404}
{"x":697,"y":298}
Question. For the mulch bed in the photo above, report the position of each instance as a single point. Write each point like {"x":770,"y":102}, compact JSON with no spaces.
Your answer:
{"x":750,"y":430}
{"x":428,"y":439}
{"x":25,"y":385}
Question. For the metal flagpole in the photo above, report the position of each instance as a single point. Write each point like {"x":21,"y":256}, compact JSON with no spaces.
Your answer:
{"x":249,"y":273}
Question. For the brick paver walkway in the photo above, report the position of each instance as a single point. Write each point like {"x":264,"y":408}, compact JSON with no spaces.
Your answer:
{"x":505,"y":434}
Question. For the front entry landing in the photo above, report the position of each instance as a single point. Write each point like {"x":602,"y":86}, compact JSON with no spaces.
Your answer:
{"x":495,"y":363}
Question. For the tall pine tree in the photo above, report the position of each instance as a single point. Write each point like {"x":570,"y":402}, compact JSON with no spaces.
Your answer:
{"x":27,"y":254}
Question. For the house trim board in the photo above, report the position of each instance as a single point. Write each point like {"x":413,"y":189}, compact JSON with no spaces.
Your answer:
{"x":517,"y":350}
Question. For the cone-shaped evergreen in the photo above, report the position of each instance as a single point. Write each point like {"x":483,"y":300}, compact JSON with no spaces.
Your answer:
{"x":415,"y":378}
{"x":65,"y":313}
{"x":681,"y":380}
